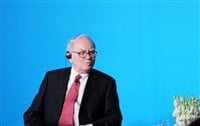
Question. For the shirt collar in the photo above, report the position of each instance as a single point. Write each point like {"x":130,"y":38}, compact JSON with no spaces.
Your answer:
{"x":74,"y":73}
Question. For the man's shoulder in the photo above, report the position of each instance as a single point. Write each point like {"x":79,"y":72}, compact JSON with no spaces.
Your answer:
{"x":100,"y":74}
{"x":59,"y":70}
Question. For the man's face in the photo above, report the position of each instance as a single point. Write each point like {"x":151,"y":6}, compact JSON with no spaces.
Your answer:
{"x":83,"y":55}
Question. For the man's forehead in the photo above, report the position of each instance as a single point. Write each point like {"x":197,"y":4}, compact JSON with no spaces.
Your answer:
{"x":83,"y":41}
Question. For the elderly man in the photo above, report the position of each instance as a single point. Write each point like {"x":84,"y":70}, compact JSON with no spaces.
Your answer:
{"x":78,"y":95}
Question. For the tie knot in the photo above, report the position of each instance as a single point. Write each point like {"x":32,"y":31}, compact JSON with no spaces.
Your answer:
{"x":77,"y":78}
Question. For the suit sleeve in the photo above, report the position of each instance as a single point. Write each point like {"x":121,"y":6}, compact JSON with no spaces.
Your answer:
{"x":34,"y":115}
{"x":113,"y":116}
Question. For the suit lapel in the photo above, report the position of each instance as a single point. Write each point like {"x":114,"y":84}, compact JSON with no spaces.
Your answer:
{"x":90,"y":85}
{"x":62,"y":87}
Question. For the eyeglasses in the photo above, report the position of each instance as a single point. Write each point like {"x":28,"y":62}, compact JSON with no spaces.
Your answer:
{"x":83,"y":54}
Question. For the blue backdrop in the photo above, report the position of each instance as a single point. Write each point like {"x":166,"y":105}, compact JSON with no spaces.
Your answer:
{"x":150,"y":47}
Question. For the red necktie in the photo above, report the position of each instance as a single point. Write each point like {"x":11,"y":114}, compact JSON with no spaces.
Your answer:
{"x":66,"y":118}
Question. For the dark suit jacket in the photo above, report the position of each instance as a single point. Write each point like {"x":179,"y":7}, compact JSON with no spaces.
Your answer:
{"x":100,"y":103}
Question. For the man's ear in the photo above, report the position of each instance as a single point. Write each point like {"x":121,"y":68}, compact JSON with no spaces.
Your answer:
{"x":68,"y":55}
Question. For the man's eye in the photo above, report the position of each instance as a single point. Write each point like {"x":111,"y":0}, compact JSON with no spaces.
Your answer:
{"x":82,"y":52}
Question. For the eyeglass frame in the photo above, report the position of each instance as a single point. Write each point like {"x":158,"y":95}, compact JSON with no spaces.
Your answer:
{"x":91,"y":53}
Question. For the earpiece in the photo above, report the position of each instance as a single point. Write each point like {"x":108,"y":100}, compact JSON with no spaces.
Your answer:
{"x":68,"y":55}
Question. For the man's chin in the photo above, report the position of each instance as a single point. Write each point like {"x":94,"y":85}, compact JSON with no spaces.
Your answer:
{"x":87,"y":69}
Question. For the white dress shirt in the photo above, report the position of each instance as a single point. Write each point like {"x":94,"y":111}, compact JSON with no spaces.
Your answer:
{"x":83,"y":80}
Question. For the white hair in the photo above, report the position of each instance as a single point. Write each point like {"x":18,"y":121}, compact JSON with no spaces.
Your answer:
{"x":70,"y":44}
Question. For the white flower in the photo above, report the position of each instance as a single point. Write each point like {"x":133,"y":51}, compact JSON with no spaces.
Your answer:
{"x":186,"y":109}
{"x":175,"y":102}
